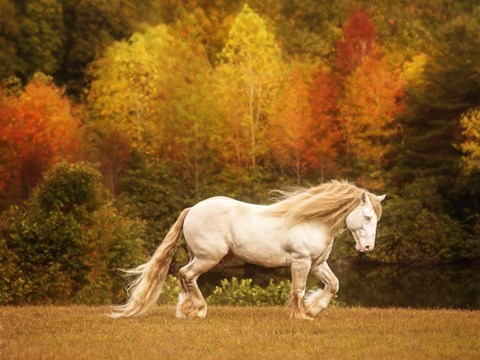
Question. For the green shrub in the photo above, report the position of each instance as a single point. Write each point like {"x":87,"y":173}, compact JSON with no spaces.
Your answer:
{"x":236,"y":292}
{"x":244,"y":293}
{"x":67,"y":243}
{"x":171,"y":290}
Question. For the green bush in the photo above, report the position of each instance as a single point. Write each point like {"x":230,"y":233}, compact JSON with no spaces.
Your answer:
{"x":67,"y":243}
{"x":244,"y":293}
{"x":234,"y":292}
{"x":171,"y":290}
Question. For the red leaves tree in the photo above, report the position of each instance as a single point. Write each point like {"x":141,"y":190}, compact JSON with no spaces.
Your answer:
{"x":360,"y":35}
{"x":355,"y":106}
{"x":304,"y":134}
{"x":37,"y":129}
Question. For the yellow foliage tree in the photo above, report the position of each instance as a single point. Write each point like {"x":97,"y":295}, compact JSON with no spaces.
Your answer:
{"x":470,"y":147}
{"x":147,"y":94}
{"x":247,"y":78}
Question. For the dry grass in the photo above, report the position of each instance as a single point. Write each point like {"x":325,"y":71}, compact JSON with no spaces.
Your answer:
{"x":79,"y":332}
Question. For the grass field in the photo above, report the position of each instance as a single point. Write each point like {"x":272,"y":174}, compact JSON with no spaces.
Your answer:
{"x":79,"y":332}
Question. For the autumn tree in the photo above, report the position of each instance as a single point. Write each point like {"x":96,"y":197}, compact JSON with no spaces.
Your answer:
{"x":323,"y":94}
{"x":359,"y":41}
{"x":149,"y":92}
{"x":248,"y":76}
{"x":214,"y":19}
{"x":368,"y":109}
{"x":291,"y":137}
{"x":470,"y":124}
{"x":195,"y":111}
{"x":304,"y":135}
{"x":38,"y":127}
{"x":127,"y":90}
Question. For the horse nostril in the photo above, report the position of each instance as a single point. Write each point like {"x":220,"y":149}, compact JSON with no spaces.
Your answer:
{"x":367,"y":247}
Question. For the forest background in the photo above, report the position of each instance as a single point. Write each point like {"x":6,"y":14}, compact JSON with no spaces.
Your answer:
{"x":116,"y":115}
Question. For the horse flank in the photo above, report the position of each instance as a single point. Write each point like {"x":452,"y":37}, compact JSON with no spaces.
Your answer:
{"x":329,"y":202}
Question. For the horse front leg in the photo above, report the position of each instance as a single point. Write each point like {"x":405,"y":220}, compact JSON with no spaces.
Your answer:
{"x":300,"y":270}
{"x":319,"y":300}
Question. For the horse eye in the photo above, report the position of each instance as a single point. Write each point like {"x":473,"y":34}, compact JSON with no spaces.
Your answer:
{"x":367,"y":218}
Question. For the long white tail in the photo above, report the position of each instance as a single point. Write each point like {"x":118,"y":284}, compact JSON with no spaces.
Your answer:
{"x":147,"y":287}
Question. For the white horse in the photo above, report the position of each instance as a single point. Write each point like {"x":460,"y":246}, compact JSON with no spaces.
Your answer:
{"x":297,"y":231}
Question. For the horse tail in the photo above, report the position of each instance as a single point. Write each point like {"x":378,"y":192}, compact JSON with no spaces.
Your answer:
{"x":147,"y":287}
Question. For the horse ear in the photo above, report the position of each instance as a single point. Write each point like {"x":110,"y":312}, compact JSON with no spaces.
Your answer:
{"x":364,"y":198}
{"x":381,"y":197}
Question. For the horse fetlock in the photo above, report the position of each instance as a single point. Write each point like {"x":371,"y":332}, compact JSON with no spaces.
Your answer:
{"x":188,"y":307}
{"x":314,"y":311}
{"x":333,"y":288}
{"x":334,"y":285}
{"x":298,"y":293}
{"x":317,"y":301}
{"x":202,"y":313}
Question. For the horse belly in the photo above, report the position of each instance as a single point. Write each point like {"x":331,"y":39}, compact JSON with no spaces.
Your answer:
{"x":259,"y":241}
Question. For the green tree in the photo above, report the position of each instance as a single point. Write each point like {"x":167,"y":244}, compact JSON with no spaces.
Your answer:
{"x":416,"y":228}
{"x":308,"y":28}
{"x":42,"y":37}
{"x":154,"y":192}
{"x":9,"y":31}
{"x":68,"y":242}
{"x":92,"y":25}
{"x":451,"y":87}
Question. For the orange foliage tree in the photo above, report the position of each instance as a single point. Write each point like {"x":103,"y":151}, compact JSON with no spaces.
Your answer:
{"x":323,"y":95}
{"x":369,"y":99}
{"x":370,"y":104}
{"x":38,"y":127}
{"x":291,"y":136}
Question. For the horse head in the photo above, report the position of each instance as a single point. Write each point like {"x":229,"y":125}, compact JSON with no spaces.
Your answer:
{"x":362,"y":223}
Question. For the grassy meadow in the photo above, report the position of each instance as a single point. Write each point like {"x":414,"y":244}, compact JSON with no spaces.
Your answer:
{"x":80,"y":332}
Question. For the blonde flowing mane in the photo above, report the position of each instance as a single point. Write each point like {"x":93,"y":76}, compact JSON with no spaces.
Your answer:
{"x":331,"y":202}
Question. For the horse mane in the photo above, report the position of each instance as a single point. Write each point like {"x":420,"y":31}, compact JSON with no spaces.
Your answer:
{"x":331,"y":202}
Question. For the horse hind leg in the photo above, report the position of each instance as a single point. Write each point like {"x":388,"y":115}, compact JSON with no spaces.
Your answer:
{"x":191,"y":302}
